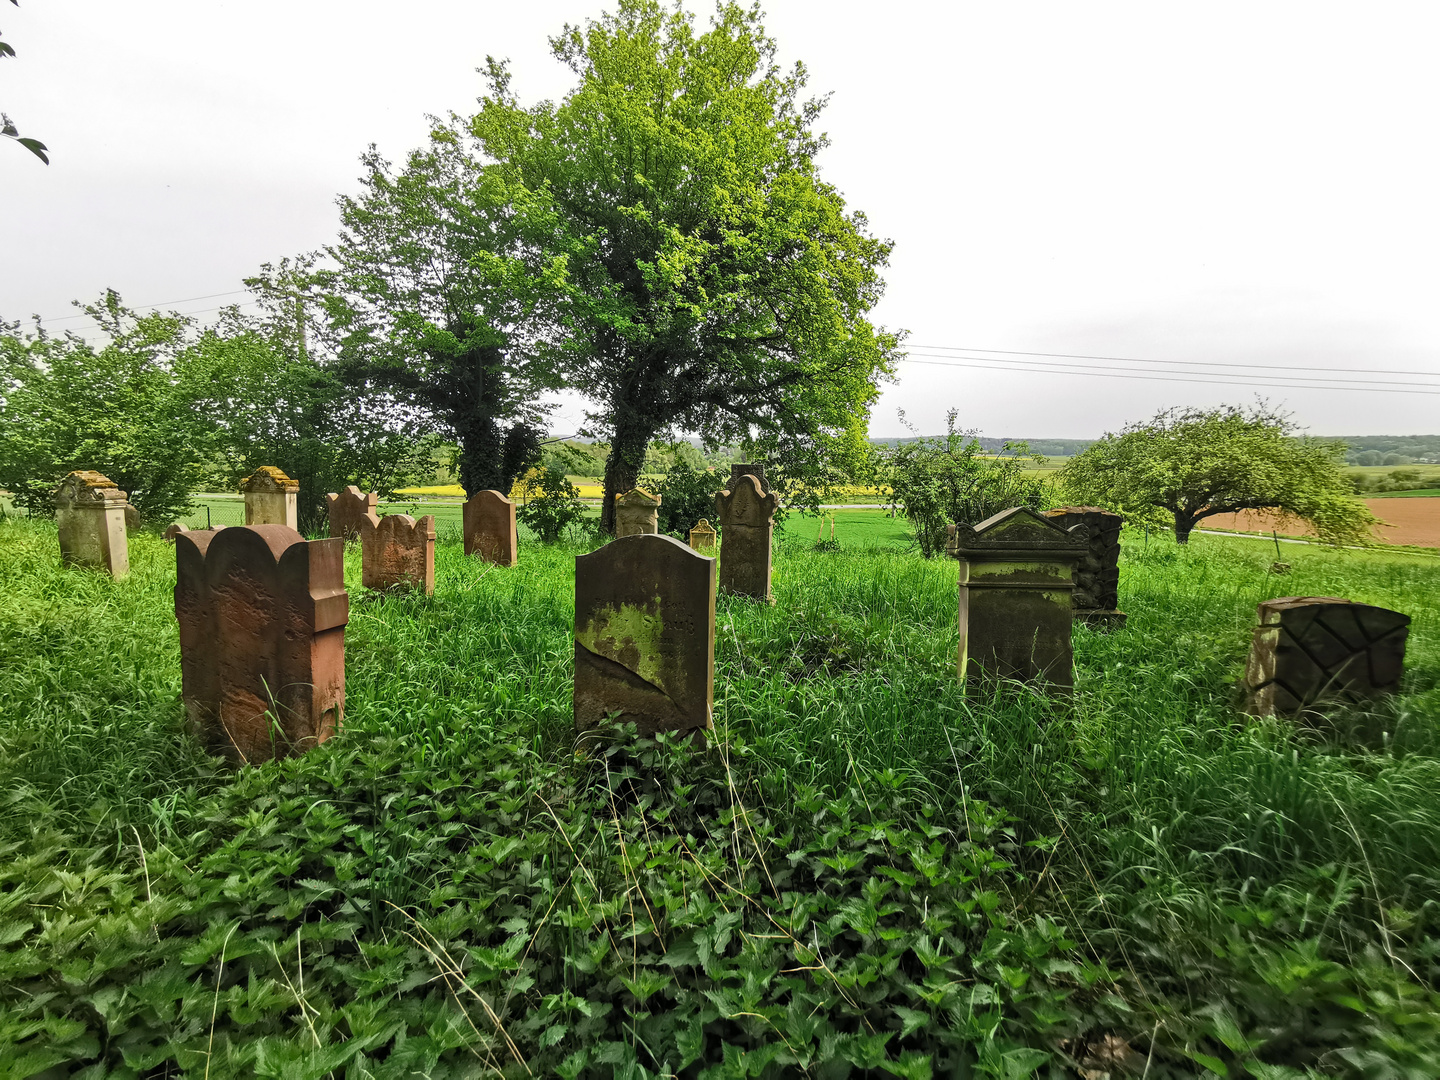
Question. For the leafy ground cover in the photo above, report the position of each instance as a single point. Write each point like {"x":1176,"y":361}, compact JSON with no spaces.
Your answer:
{"x":866,"y":873}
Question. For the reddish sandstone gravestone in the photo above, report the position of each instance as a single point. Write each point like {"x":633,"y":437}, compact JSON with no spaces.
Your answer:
{"x":702,"y":536}
{"x":490,"y":531}
{"x":346,"y":510}
{"x":262,"y":614}
{"x":1014,"y":607}
{"x":637,"y":512}
{"x":1096,"y":597}
{"x":397,"y":552}
{"x":90,"y":518}
{"x":645,"y":635}
{"x":271,"y":498}
{"x":747,"y":525}
{"x":1308,"y":650}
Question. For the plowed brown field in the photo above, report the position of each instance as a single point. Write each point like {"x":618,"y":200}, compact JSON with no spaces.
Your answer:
{"x":1413,"y":522}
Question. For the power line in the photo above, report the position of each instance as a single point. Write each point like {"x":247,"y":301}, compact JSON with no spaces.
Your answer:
{"x":146,"y":307}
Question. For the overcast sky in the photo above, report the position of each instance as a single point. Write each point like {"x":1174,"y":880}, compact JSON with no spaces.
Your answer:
{"x":1253,"y":187}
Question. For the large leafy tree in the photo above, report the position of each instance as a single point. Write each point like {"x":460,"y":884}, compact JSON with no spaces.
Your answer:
{"x":714,"y":282}
{"x":1189,"y":464}
{"x":436,"y":303}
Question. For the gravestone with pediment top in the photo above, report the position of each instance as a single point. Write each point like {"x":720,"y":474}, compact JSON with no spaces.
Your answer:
{"x":262,"y":614}
{"x":489,"y":523}
{"x":747,"y":525}
{"x":397,"y":552}
{"x":1096,"y":598}
{"x":1310,"y":650}
{"x":702,"y":536}
{"x":645,"y":635}
{"x":637,"y":512}
{"x":1016,"y":576}
{"x":346,"y":510}
{"x":90,"y":516}
{"x":271,"y":498}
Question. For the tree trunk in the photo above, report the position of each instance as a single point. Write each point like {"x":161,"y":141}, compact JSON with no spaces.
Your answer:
{"x":622,"y":469}
{"x":1184,"y":524}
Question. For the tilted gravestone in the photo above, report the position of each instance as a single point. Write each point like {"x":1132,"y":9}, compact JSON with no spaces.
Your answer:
{"x":490,"y":531}
{"x":90,"y":515}
{"x":1096,"y":597}
{"x":262,"y":614}
{"x":1014,"y":607}
{"x":702,"y":536}
{"x":271,"y":498}
{"x":636,"y":512}
{"x":747,"y":524}
{"x":346,"y":510}
{"x":397,"y":552}
{"x":645,"y":635}
{"x":1308,"y":650}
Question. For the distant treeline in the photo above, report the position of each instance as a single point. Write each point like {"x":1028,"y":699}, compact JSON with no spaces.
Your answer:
{"x":1360,"y":449}
{"x":1047,"y":447}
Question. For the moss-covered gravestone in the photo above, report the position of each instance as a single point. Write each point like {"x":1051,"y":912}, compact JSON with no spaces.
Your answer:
{"x":347,"y":509}
{"x":637,"y":512}
{"x":397,"y":552}
{"x":488,"y":520}
{"x":1309,"y":650}
{"x":747,"y":524}
{"x":1016,"y":575}
{"x":645,"y":635}
{"x":90,"y":515}
{"x":262,"y":614}
{"x":271,"y":498}
{"x":1096,"y":597}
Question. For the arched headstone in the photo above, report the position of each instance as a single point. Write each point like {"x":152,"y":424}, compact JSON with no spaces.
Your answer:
{"x":747,"y":523}
{"x":271,"y":498}
{"x":396,"y":551}
{"x":488,"y":519}
{"x":346,"y":510}
{"x":90,"y":516}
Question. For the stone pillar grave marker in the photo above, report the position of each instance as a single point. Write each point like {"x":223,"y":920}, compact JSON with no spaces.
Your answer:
{"x":271,"y":498}
{"x":90,"y":516}
{"x":636,"y":512}
{"x":1096,"y":598}
{"x":490,"y":530}
{"x":747,"y":525}
{"x":262,"y":614}
{"x":645,"y":635}
{"x":1308,"y":650}
{"x":346,"y":510}
{"x":1014,"y":607}
{"x":397,"y":552}
{"x":702,"y":536}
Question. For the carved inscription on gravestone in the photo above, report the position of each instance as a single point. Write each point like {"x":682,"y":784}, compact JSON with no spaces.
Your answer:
{"x":490,"y":528}
{"x":636,"y":512}
{"x":1014,"y":606}
{"x":90,"y":516}
{"x":396,"y":551}
{"x":271,"y":498}
{"x":702,"y":536}
{"x":645,"y":635}
{"x":747,"y":525}
{"x":1096,"y":597}
{"x":1308,"y":650}
{"x":346,"y":510}
{"x":262,"y":616}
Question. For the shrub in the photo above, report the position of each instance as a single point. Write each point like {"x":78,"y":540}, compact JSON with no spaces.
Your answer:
{"x":686,"y":496}
{"x":552,"y":503}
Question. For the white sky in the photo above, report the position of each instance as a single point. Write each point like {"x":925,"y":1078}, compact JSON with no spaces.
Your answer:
{"x":1235,"y":183}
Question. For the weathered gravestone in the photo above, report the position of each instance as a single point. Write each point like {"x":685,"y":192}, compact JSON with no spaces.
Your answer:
{"x":133,"y":521}
{"x":1014,"y":613}
{"x":175,"y":529}
{"x":90,"y":515}
{"x":396,"y":551}
{"x":645,"y":635}
{"x":1096,"y":597}
{"x":702,"y":536}
{"x":747,"y":524}
{"x":262,"y":614}
{"x":1308,"y":650}
{"x":346,"y":510}
{"x":749,"y":468}
{"x":490,"y":532}
{"x":636,"y":512}
{"x":271,"y":498}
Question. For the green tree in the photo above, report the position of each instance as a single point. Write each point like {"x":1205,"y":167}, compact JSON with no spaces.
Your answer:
{"x":1188,"y":464}
{"x":551,"y":504}
{"x":714,"y":284}
{"x":687,"y":494}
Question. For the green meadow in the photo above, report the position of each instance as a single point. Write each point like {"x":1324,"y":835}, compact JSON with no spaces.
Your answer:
{"x":865,"y":873}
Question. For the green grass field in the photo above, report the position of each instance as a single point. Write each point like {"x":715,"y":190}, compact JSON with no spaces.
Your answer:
{"x":867,"y":873}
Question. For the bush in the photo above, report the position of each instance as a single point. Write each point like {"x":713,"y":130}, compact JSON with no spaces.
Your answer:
{"x":687,"y":495}
{"x":552,"y":504}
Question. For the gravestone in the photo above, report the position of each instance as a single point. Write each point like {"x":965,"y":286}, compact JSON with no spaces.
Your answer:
{"x":396,"y":551}
{"x":262,"y":614}
{"x":636,"y":512}
{"x":271,"y":498}
{"x":749,"y":468}
{"x":90,"y":516}
{"x":1016,"y":575}
{"x":490,"y":532}
{"x":176,"y":529}
{"x":645,"y":635}
{"x":133,"y":521}
{"x":1308,"y":650}
{"x":1096,"y":597}
{"x":346,"y":510}
{"x":747,"y":522}
{"x":702,"y":536}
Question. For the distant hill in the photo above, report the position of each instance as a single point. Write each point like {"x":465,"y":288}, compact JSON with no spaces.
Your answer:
{"x":1360,"y":449}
